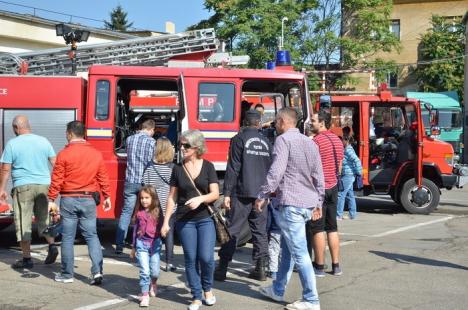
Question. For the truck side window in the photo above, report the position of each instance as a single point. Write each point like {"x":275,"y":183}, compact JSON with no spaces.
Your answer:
{"x":216,"y":102}
{"x":102,"y":100}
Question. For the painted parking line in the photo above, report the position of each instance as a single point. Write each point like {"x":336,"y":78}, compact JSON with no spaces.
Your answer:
{"x":409,"y":227}
{"x":103,"y":304}
{"x":109,"y":261}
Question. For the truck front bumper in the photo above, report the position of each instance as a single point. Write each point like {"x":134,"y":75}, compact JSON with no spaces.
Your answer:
{"x":449,"y":180}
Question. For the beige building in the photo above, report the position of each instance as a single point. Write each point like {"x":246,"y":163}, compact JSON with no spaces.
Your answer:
{"x":410,"y":20}
{"x":23,"y":33}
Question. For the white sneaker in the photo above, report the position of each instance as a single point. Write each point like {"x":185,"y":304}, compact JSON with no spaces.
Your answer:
{"x":302,"y":305}
{"x":60,"y":278}
{"x":144,"y":302}
{"x":267,"y":291}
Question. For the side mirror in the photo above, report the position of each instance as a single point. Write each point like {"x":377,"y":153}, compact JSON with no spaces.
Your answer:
{"x":428,"y":106}
{"x":434,"y":118}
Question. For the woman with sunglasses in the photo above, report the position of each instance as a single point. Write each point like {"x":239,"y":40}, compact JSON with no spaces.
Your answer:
{"x":194,"y":185}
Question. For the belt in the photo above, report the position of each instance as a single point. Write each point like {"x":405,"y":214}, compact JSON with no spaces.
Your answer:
{"x":85,"y":193}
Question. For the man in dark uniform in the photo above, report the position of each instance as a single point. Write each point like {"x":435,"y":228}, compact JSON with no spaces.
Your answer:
{"x":247,"y":167}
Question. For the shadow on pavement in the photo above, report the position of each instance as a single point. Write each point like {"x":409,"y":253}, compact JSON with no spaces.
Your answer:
{"x":408,"y":259}
{"x":378,"y":206}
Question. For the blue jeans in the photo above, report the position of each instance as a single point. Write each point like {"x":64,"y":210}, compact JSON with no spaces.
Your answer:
{"x":130,"y":197}
{"x":148,"y":259}
{"x":292,"y":222}
{"x":198,"y":240}
{"x":80,"y":211}
{"x":346,"y":196}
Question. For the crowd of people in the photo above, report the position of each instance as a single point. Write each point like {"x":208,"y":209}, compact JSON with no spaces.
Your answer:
{"x":291,"y":193}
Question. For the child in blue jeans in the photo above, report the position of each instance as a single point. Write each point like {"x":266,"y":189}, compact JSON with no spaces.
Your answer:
{"x":148,"y":220}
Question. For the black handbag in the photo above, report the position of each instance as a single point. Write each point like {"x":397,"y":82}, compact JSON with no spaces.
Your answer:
{"x":222,"y":232}
{"x":53,"y":229}
{"x":97,"y":198}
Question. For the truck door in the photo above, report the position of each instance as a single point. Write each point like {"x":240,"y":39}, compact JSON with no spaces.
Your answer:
{"x":364,"y":139}
{"x":100,"y":119}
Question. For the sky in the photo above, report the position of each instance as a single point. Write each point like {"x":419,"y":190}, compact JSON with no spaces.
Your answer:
{"x":145,"y":14}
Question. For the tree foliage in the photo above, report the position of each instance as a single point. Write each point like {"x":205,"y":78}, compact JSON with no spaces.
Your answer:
{"x":366,"y":31}
{"x":118,"y":20}
{"x":313,"y":32}
{"x":252,"y":27}
{"x":440,"y":65}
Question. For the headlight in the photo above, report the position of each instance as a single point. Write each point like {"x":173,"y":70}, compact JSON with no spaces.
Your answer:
{"x":449,"y":158}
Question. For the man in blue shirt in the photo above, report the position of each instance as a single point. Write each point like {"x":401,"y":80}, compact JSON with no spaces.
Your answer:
{"x":27,"y":158}
{"x":140,"y":151}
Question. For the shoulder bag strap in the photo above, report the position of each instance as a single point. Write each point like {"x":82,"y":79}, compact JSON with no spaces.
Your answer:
{"x":334,"y":155}
{"x":210,"y":209}
{"x":160,"y":176}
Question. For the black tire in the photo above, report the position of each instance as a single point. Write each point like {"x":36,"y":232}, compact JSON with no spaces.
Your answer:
{"x":4,"y":225}
{"x":406,"y":196}
{"x":245,"y":235}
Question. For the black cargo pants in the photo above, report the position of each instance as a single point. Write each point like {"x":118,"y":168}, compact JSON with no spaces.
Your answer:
{"x":242,"y":210}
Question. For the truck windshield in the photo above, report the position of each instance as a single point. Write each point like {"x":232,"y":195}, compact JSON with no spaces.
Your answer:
{"x":450,"y":119}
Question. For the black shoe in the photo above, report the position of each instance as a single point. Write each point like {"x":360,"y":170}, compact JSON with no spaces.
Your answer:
{"x":23,"y":264}
{"x":51,"y":255}
{"x":220,"y":271}
{"x":171,"y":268}
{"x":97,"y":279}
{"x":259,"y":272}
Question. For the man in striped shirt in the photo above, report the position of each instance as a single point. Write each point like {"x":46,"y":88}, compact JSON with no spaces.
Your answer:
{"x":297,"y":179}
{"x":332,"y":152}
{"x":140,"y":150}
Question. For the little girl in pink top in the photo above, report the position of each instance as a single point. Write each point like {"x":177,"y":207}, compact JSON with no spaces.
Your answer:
{"x":148,"y":220}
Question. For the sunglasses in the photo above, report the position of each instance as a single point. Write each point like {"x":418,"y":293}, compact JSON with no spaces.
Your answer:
{"x":185,"y":145}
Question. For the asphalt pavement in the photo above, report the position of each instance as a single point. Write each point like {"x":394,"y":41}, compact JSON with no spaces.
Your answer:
{"x":390,"y":260}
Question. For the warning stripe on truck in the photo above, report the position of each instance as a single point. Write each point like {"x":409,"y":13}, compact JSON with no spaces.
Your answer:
{"x":218,"y":134}
{"x":99,"y":133}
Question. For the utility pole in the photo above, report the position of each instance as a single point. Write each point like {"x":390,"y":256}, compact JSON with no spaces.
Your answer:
{"x":465,"y":95}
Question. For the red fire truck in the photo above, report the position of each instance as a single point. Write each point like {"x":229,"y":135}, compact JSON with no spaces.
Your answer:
{"x":397,"y":156}
{"x":115,"y":99}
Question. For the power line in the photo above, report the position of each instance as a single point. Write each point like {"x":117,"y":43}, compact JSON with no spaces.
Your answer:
{"x":368,"y":69}
{"x":71,"y":16}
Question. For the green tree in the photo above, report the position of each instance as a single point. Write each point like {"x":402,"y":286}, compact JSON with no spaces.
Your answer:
{"x":118,"y":20}
{"x":440,"y":65}
{"x":366,"y":31}
{"x":252,"y":27}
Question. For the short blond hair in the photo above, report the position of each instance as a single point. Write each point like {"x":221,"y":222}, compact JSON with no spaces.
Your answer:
{"x":196,"y":139}
{"x":164,"y":151}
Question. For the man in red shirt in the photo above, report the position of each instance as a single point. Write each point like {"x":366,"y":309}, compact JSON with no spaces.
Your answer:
{"x":78,"y":173}
{"x":332,"y":152}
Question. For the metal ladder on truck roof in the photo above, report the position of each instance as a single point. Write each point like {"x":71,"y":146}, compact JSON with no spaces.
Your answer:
{"x":148,"y":51}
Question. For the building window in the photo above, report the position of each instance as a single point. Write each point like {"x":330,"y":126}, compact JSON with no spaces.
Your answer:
{"x":392,"y":80}
{"x":216,"y":102}
{"x":453,"y":23}
{"x":395,"y":28}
